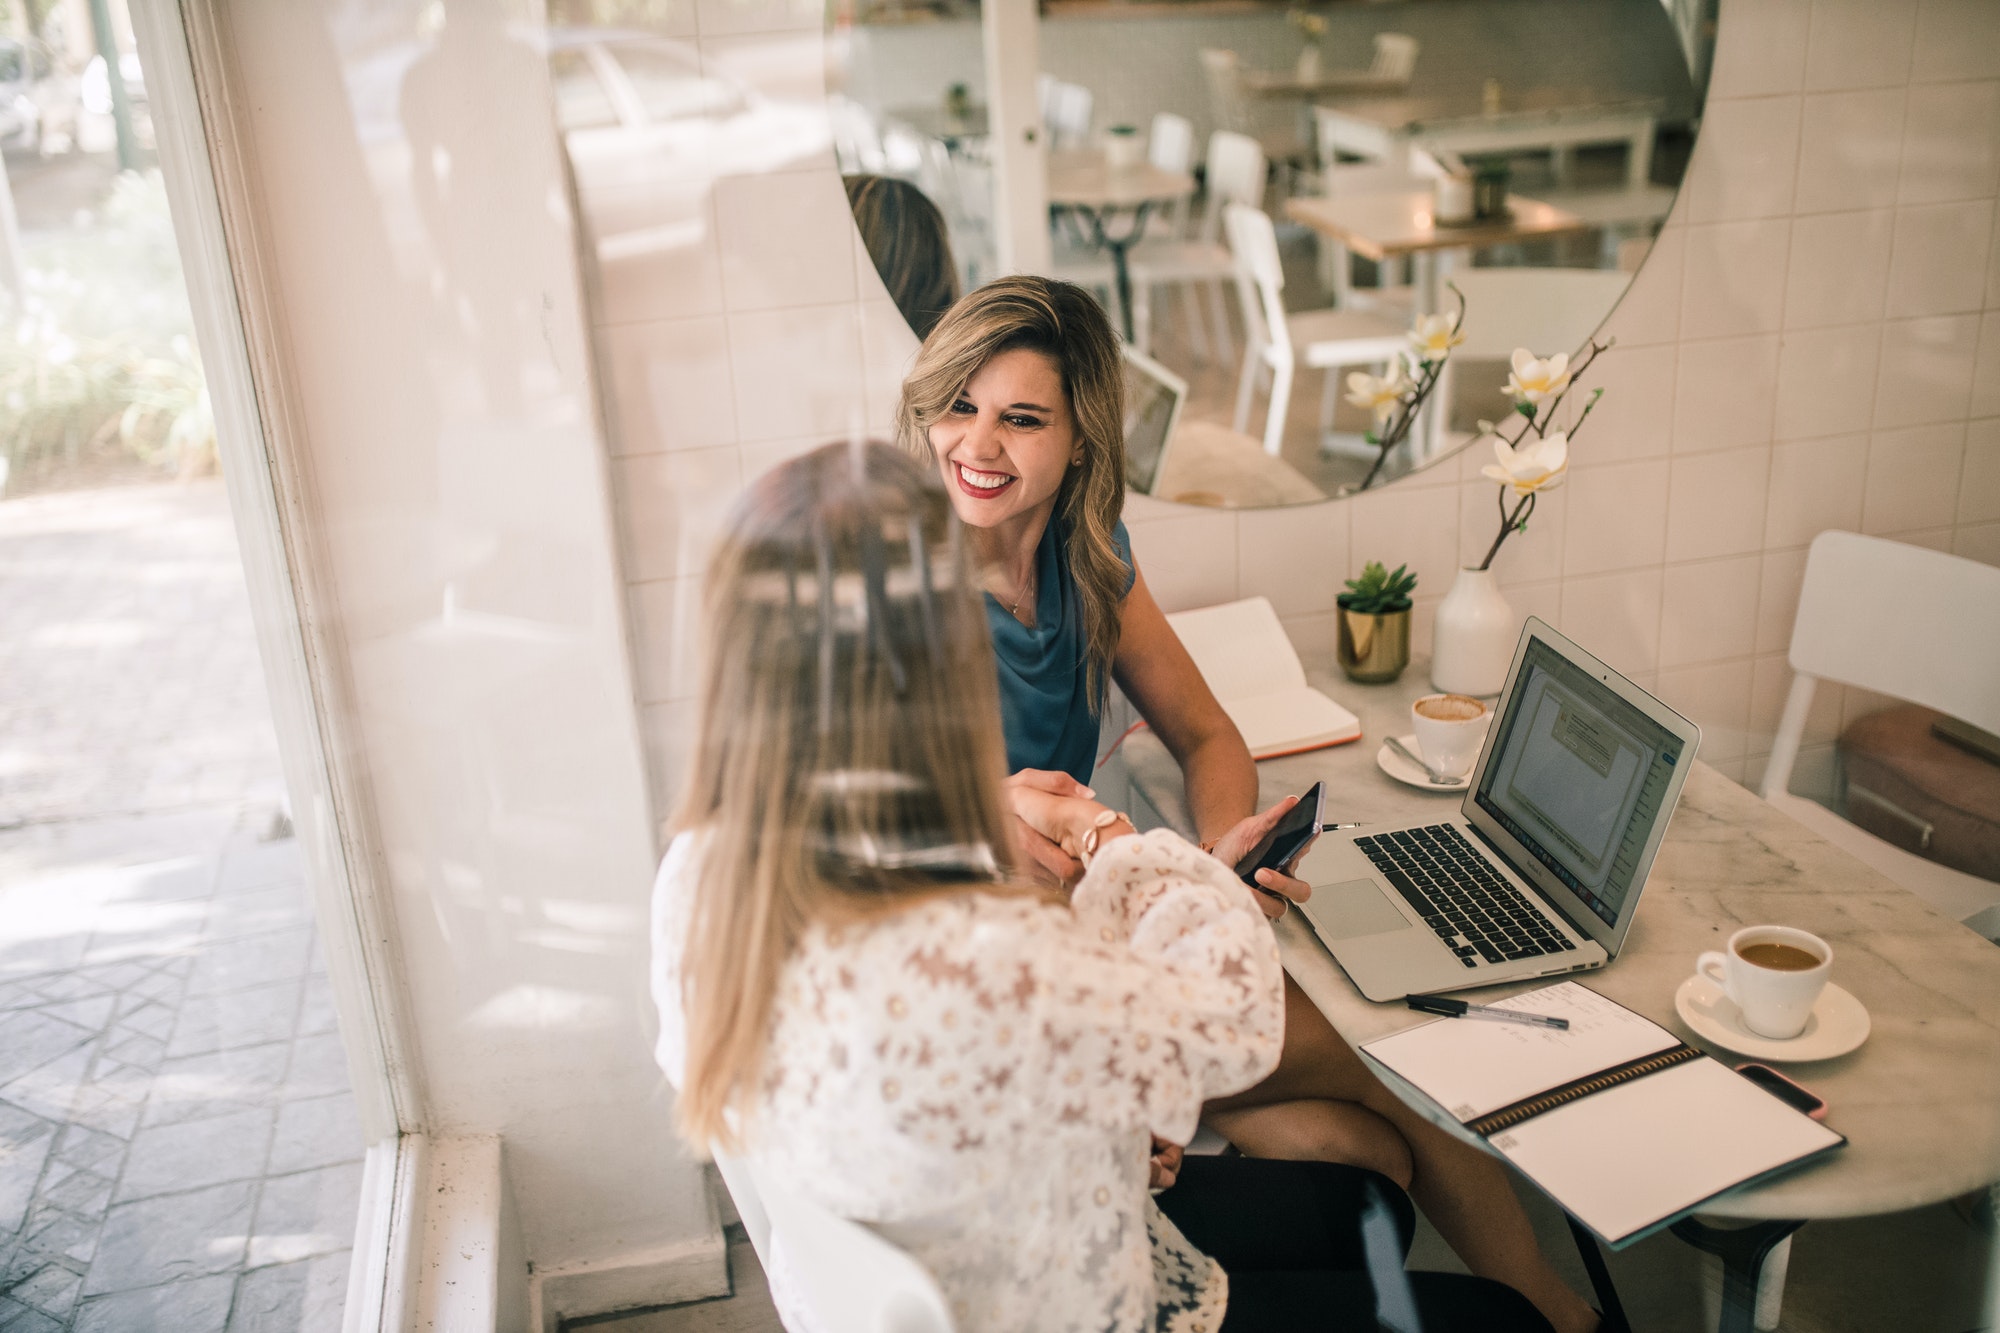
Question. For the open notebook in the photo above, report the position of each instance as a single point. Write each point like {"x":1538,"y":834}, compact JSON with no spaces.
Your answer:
{"x":1246,"y":658}
{"x":1617,"y":1120}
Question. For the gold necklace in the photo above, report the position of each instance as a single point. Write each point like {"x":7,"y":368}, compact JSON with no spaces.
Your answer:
{"x":1027,"y":591}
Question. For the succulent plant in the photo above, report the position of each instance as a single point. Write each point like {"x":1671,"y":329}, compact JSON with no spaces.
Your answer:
{"x":1378,"y":592}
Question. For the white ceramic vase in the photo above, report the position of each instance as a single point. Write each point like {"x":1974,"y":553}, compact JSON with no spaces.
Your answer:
{"x":1473,"y":637}
{"x":1308,"y":62}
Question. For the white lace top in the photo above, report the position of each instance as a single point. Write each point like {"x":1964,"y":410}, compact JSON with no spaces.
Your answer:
{"x":977,"y":1077}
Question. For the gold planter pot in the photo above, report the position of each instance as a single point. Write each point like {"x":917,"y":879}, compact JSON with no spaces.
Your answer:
{"x":1373,"y":649}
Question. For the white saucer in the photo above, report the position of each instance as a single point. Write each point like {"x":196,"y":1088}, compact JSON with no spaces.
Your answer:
{"x":1403,"y":770}
{"x":1838,"y":1024}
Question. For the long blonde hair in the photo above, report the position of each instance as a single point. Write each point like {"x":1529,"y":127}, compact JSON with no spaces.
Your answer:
{"x":1064,"y":323}
{"x":849,"y":757}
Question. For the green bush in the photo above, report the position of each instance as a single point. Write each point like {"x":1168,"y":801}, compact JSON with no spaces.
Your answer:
{"x":101,"y":355}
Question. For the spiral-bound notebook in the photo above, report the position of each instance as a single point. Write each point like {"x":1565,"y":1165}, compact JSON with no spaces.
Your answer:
{"x":1616,"y":1119}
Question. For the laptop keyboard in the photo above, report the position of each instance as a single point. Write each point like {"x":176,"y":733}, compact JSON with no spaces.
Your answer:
{"x":1461,"y":896}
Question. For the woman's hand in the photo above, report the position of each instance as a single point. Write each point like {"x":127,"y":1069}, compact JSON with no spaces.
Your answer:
{"x":1040,"y":802}
{"x":1281,"y":890}
{"x":1038,"y":792}
{"x":1163,"y":1168}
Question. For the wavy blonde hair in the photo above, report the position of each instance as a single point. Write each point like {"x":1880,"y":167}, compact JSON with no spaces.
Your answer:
{"x":849,"y":758}
{"x":1064,"y":323}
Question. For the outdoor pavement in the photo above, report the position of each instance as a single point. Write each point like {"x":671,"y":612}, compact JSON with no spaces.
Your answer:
{"x":178,"y":1143}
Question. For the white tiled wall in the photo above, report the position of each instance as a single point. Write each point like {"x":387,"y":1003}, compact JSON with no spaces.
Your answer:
{"x":1814,"y":342}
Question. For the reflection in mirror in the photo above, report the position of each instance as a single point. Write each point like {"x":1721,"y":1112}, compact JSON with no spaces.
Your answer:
{"x":906,"y":238}
{"x":1522,"y":152}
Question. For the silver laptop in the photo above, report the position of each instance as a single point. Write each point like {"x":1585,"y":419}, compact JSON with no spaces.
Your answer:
{"x":1540,"y":871}
{"x":1153,"y":399}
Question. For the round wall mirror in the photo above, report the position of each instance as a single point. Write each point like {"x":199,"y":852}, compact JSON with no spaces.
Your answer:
{"x":1268,"y":199}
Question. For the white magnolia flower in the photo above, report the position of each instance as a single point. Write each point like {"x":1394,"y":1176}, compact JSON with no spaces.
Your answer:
{"x":1537,"y":466}
{"x":1434,"y":336}
{"x":1536,"y":381}
{"x":1378,"y":393}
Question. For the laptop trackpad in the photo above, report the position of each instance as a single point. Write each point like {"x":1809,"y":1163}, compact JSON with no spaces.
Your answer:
{"x":1355,"y":908}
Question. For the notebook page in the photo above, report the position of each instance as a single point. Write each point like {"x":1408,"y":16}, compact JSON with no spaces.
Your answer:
{"x":1473,"y":1066}
{"x":1298,"y":717}
{"x":1642,"y":1152}
{"x":1240,"y":648}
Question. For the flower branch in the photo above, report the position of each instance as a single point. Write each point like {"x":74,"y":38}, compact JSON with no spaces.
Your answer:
{"x":1395,"y":398}
{"x":1524,"y":466}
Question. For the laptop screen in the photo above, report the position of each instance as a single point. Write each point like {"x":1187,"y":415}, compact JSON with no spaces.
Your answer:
{"x":1578,"y":776}
{"x":1153,"y":397}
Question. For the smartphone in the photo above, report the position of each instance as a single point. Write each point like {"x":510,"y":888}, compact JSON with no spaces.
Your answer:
{"x":1300,"y":826}
{"x":1786,"y":1091}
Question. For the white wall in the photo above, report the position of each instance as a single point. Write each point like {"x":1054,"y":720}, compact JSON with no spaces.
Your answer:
{"x":453,"y":472}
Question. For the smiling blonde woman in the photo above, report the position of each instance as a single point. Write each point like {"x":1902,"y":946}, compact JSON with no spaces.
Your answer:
{"x":1017,"y":398}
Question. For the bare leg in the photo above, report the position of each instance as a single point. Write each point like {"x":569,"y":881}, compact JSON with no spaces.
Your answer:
{"x":1322,"y":1102}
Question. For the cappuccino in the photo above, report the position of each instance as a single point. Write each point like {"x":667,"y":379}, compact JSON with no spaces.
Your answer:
{"x":1450,"y":729}
{"x":1449,"y":707}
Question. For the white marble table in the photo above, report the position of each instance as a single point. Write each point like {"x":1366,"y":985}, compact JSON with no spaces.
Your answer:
{"x":1919,"y":1102}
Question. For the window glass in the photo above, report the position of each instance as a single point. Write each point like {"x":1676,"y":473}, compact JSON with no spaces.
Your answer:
{"x":582,"y":101}
{"x":671,"y":86}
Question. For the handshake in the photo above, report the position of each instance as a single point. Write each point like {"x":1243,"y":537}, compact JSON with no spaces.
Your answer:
{"x":1057,"y":818}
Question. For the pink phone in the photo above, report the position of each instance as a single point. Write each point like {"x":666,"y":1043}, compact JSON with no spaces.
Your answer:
{"x":1791,"y":1094}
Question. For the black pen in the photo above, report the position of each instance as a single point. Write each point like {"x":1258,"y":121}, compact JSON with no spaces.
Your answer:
{"x":1438,"y":1004}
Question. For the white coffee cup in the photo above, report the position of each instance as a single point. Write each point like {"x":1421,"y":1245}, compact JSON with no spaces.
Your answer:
{"x":1773,"y":987}
{"x":1450,"y":733}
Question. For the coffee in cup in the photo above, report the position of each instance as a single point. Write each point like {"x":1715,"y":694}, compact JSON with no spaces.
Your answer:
{"x":1774,"y":974}
{"x":1450,"y":729}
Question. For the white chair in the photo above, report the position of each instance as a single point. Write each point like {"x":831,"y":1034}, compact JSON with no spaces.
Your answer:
{"x":1395,"y":58}
{"x":1067,"y":109}
{"x":1904,"y":621}
{"x":851,"y":1279}
{"x":1323,"y":339}
{"x":1222,"y":70}
{"x":1170,"y":147}
{"x":1235,"y":176}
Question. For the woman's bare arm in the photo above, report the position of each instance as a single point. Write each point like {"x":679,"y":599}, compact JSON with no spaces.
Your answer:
{"x":1163,"y":683}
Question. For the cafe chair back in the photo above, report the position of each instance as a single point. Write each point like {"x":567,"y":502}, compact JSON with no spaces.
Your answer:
{"x":850,"y":1278}
{"x":1909,"y":622}
{"x":1202,"y":263}
{"x":1326,"y":340}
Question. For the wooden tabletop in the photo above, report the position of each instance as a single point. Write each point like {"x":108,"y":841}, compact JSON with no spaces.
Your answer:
{"x":1376,"y":226}
{"x":1919,"y":1101}
{"x":1464,"y":105}
{"x":935,"y":122}
{"x":1080,"y":177}
{"x":1332,"y":83}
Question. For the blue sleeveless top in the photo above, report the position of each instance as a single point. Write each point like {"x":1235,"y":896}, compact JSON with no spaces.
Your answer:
{"x":1044,"y":685}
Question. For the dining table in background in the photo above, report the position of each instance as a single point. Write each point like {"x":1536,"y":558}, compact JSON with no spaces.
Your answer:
{"x":1082,"y":182}
{"x":1556,"y":120}
{"x":959,"y":132}
{"x":1919,"y":1101}
{"x":1398,"y":224}
{"x":1287,"y":85}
